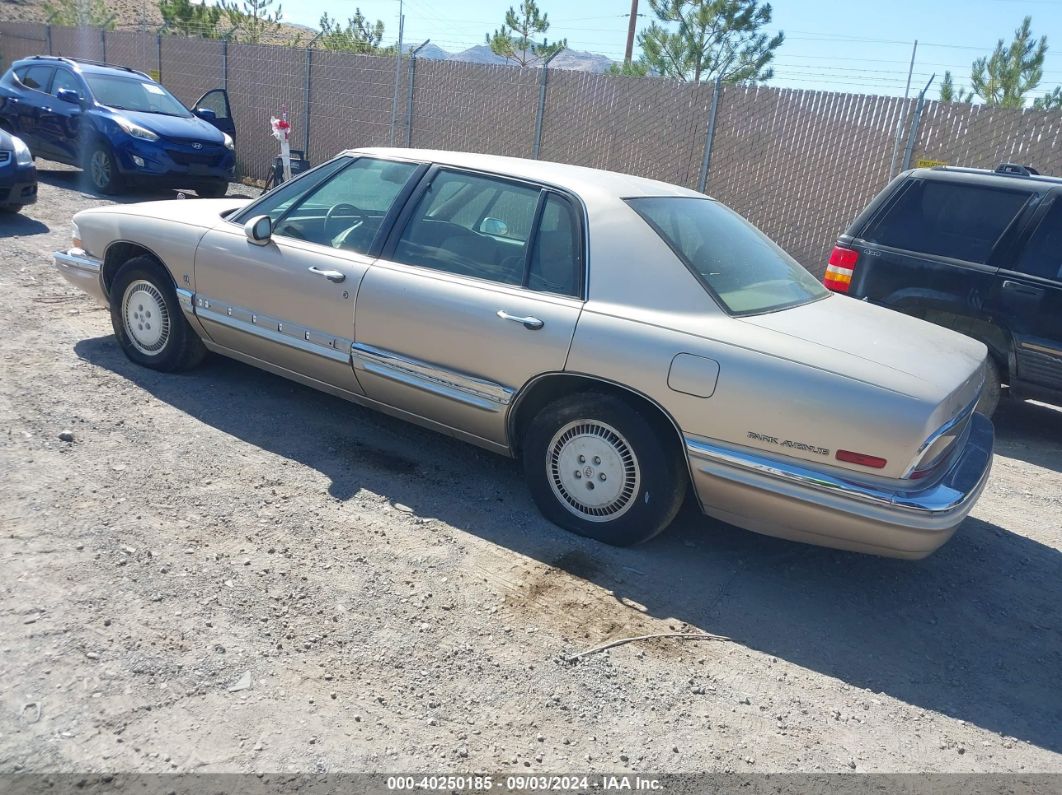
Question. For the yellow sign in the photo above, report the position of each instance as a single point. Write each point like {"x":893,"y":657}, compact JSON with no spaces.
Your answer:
{"x":154,"y":75}
{"x":931,"y":163}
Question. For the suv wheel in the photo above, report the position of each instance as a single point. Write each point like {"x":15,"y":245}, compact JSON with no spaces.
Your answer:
{"x":102,"y":170}
{"x":597,"y":467}
{"x":148,"y":322}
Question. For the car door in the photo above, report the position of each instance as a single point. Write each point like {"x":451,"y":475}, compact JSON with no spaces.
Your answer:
{"x":1029,"y":299}
{"x":217,"y":102}
{"x":59,"y":121}
{"x":478,"y":291}
{"x":290,"y":303}
{"x":36,"y":79}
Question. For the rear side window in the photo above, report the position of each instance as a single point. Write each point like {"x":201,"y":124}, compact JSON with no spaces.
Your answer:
{"x":947,"y":219}
{"x":36,"y":77}
{"x":1043,"y":253}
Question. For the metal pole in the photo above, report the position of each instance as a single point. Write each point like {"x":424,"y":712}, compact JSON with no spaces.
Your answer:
{"x":536,"y":145}
{"x":709,"y":138}
{"x":225,"y":63}
{"x":158,"y":45}
{"x":398,"y":75}
{"x":306,"y":134}
{"x":48,"y":32}
{"x":908,"y":151}
{"x":899,"y":116}
{"x":103,"y":43}
{"x":409,"y":106}
{"x":631,"y":26}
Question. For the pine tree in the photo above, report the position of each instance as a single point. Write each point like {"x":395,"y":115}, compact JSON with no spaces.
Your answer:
{"x":79,"y":13}
{"x":699,"y":40}
{"x":1013,"y":70}
{"x":514,"y":40}
{"x":1052,"y":100}
{"x":186,"y":18}
{"x":252,"y":20}
{"x":949,"y":93}
{"x":358,"y":36}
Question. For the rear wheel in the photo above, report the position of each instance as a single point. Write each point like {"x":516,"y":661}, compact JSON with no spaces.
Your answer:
{"x":599,"y":468}
{"x":102,"y":170}
{"x":993,"y":388}
{"x":148,"y":322}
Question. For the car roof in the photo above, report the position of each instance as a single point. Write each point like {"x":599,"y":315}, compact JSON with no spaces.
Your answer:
{"x":1031,"y":182}
{"x":578,"y":179}
{"x":81,"y":65}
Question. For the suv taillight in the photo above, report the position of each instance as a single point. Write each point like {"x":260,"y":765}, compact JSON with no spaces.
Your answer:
{"x":839,"y":272}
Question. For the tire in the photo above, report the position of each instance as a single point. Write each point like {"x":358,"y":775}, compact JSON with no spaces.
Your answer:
{"x":626,"y":482}
{"x":101,"y":170}
{"x":148,"y":322}
{"x":212,"y":190}
{"x":993,"y":388}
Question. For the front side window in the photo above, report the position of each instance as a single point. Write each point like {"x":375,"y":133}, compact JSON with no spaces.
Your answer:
{"x":64,"y":79}
{"x":1043,"y":253}
{"x":128,"y":93}
{"x":948,"y":219}
{"x":740,"y":265}
{"x":471,"y":225}
{"x":347,"y":209}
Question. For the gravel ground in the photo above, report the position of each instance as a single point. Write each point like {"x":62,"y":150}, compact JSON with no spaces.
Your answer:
{"x":225,"y":571}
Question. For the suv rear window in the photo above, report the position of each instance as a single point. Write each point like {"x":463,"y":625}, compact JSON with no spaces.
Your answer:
{"x":949,"y":219}
{"x":743,"y":268}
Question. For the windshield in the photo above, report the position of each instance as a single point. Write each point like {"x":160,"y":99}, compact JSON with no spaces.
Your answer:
{"x":128,"y":93}
{"x":740,"y":265}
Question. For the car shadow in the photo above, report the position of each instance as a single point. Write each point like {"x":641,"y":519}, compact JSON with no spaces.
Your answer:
{"x":1030,"y":431}
{"x":20,"y":224}
{"x":973,"y":632}
{"x":72,"y":179}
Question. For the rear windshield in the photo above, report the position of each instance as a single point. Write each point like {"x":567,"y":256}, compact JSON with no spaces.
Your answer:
{"x":746,"y":271}
{"x":949,"y":219}
{"x":127,"y":93}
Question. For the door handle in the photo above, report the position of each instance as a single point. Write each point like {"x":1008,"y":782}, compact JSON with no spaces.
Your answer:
{"x":332,"y":276}
{"x":530,"y":323}
{"x":1022,"y":289}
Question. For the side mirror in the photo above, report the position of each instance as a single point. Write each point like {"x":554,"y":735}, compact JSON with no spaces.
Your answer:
{"x":206,"y":114}
{"x":494,"y":226}
{"x":259,"y":229}
{"x":68,"y":95}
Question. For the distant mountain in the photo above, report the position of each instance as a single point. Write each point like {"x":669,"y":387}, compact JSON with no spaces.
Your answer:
{"x":429,"y":52}
{"x":577,"y":60}
{"x":581,"y":61}
{"x":481,"y":53}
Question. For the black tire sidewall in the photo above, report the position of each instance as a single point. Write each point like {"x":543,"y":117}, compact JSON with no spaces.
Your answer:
{"x":212,"y":190}
{"x":113,"y":186}
{"x":172,"y":356}
{"x":663,"y":483}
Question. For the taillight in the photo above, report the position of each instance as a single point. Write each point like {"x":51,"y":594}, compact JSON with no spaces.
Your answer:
{"x":839,"y":272}
{"x":862,"y":459}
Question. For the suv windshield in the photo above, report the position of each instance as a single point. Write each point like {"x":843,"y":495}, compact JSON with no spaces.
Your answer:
{"x":746,"y":271}
{"x":128,"y":93}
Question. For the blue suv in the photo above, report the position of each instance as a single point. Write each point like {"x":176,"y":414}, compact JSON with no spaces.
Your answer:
{"x":118,"y":124}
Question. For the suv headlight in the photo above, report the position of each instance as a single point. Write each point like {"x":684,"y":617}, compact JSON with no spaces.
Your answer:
{"x":23,"y":156}
{"x":135,"y":130}
{"x":229,"y":143}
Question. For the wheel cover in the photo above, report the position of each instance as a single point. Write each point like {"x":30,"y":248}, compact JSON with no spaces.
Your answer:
{"x":147,"y":320}
{"x":100,"y":167}
{"x":593,"y":470}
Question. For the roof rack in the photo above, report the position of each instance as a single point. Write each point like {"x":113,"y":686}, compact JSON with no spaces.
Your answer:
{"x":87,"y":61}
{"x":1017,"y":170}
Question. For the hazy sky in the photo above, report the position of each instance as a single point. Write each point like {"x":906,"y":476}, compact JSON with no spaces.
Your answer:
{"x":858,"y":46}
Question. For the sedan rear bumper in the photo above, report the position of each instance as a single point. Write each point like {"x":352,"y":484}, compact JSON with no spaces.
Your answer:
{"x":794,"y":502}
{"x":83,"y":271}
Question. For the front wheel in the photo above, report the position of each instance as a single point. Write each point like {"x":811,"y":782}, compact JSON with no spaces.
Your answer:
{"x":102,"y":170}
{"x":147,"y":320}
{"x":599,"y":468}
{"x":214,"y":189}
{"x":11,"y":208}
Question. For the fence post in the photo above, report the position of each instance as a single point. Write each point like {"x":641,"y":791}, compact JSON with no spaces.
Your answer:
{"x":306,"y":134}
{"x":48,"y":33}
{"x":103,"y":43}
{"x":536,"y":145}
{"x":409,"y":104}
{"x":709,"y":137}
{"x":225,"y":64}
{"x":908,"y":151}
{"x":158,"y":51}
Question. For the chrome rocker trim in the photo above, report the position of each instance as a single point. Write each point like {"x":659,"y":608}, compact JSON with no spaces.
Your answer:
{"x":82,"y":270}
{"x":939,"y":507}
{"x":476,"y":392}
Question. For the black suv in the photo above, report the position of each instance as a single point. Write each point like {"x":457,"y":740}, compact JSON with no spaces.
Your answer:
{"x":973,"y":250}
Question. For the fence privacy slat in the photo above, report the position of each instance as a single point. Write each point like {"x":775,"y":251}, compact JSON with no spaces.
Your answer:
{"x":799,"y":164}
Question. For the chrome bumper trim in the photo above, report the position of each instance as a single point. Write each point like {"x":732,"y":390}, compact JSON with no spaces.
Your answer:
{"x":446,"y":383}
{"x":936,"y":507}
{"x":82,"y":270}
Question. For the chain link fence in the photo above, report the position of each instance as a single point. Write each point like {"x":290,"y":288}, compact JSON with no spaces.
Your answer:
{"x":798,"y":164}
